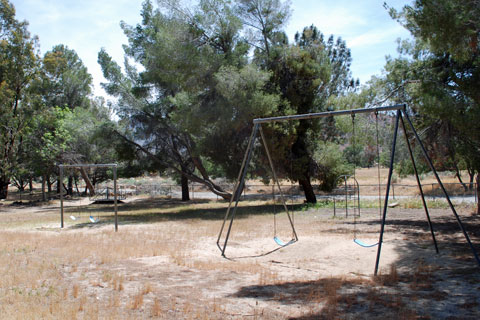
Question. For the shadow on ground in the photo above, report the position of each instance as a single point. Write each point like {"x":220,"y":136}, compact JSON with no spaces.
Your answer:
{"x":420,"y":285}
{"x":158,"y":210}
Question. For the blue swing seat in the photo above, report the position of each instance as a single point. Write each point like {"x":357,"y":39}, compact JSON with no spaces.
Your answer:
{"x":281,"y":243}
{"x":363,"y":244}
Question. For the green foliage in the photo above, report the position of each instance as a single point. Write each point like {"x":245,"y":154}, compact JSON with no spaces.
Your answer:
{"x":405,"y":168}
{"x":442,"y":75}
{"x":198,"y":92}
{"x":65,"y":80}
{"x":18,"y":69}
{"x":331,"y":164}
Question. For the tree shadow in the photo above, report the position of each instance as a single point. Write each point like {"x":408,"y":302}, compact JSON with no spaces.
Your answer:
{"x":159,"y":210}
{"x":420,"y":284}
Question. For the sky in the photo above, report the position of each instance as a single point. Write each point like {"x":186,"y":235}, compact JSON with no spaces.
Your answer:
{"x":88,"y":25}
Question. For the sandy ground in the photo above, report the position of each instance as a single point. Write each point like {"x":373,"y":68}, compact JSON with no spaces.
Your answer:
{"x":174,"y":269}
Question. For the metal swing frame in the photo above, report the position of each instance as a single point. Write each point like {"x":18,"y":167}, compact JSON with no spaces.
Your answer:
{"x":401,"y":113}
{"x":78,"y":166}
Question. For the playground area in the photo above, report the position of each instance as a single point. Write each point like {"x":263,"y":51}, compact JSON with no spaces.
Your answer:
{"x":164,"y":262}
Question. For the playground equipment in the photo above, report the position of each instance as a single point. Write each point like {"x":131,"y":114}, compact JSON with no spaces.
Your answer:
{"x":348,"y":192}
{"x":82,"y":168}
{"x":400,"y":113}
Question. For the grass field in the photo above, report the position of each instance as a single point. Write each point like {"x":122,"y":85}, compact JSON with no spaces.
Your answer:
{"x":164,"y":263}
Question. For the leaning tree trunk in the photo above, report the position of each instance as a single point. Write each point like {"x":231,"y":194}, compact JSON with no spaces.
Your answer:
{"x":308,"y":190}
{"x":4,"y":182}
{"x":88,"y":183}
{"x":190,"y":175}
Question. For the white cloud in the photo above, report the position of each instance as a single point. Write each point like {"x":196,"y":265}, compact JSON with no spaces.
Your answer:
{"x":376,"y":36}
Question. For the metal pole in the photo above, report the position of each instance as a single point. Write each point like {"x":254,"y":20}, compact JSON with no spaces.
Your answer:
{"x":278,"y":184}
{"x":329,"y":114}
{"x":61,"y":195}
{"x":389,"y":181}
{"x":419,"y":183}
{"x":238,"y":189}
{"x":346,"y":198}
{"x":115,"y":196}
{"x":358,"y":196}
{"x":443,"y":190}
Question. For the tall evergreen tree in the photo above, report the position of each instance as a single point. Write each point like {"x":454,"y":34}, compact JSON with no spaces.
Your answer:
{"x":18,"y":67}
{"x":446,"y":57}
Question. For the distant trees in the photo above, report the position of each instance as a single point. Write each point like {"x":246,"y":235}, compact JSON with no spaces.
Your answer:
{"x":308,"y":73}
{"x":47,"y":113}
{"x":161,"y":107}
{"x":199,"y":90}
{"x":440,"y":74}
{"x":19,"y":66}
{"x":194,"y":77}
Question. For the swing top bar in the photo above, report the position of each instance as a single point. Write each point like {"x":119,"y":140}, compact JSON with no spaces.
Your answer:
{"x":329,"y":114}
{"x":87,"y":165}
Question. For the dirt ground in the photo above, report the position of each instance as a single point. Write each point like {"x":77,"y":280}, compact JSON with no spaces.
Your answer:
{"x":164,"y":263}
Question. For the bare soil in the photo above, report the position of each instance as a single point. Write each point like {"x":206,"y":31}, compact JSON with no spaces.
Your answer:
{"x":164,"y":263}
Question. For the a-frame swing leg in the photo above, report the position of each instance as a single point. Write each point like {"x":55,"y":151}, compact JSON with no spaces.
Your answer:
{"x":237,"y":190}
{"x":443,"y":189}
{"x":294,"y":233}
{"x":412,"y":158}
{"x":385,"y":206}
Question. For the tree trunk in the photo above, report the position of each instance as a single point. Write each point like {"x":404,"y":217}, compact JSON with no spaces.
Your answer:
{"x":44,"y":196}
{"x":76,"y":185}
{"x":459,"y":176}
{"x":30,"y":184}
{"x":308,"y":190}
{"x":88,"y":183}
{"x":4,"y":182}
{"x":70,"y":186}
{"x":49,"y":184}
{"x":190,"y":175}
{"x":185,"y":191}
{"x":471,"y":175}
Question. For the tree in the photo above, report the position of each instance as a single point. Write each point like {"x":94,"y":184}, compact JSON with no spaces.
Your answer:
{"x":63,"y":85}
{"x":198,"y":91}
{"x":65,"y":79}
{"x":187,"y":59}
{"x":307,"y":74}
{"x":447,"y":55}
{"x":264,"y":19}
{"x":18,"y":67}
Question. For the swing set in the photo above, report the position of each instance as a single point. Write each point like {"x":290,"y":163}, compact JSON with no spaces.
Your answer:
{"x":83,"y":168}
{"x":401,"y":113}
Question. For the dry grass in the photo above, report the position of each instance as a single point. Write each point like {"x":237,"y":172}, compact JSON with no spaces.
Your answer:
{"x":163,"y":263}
